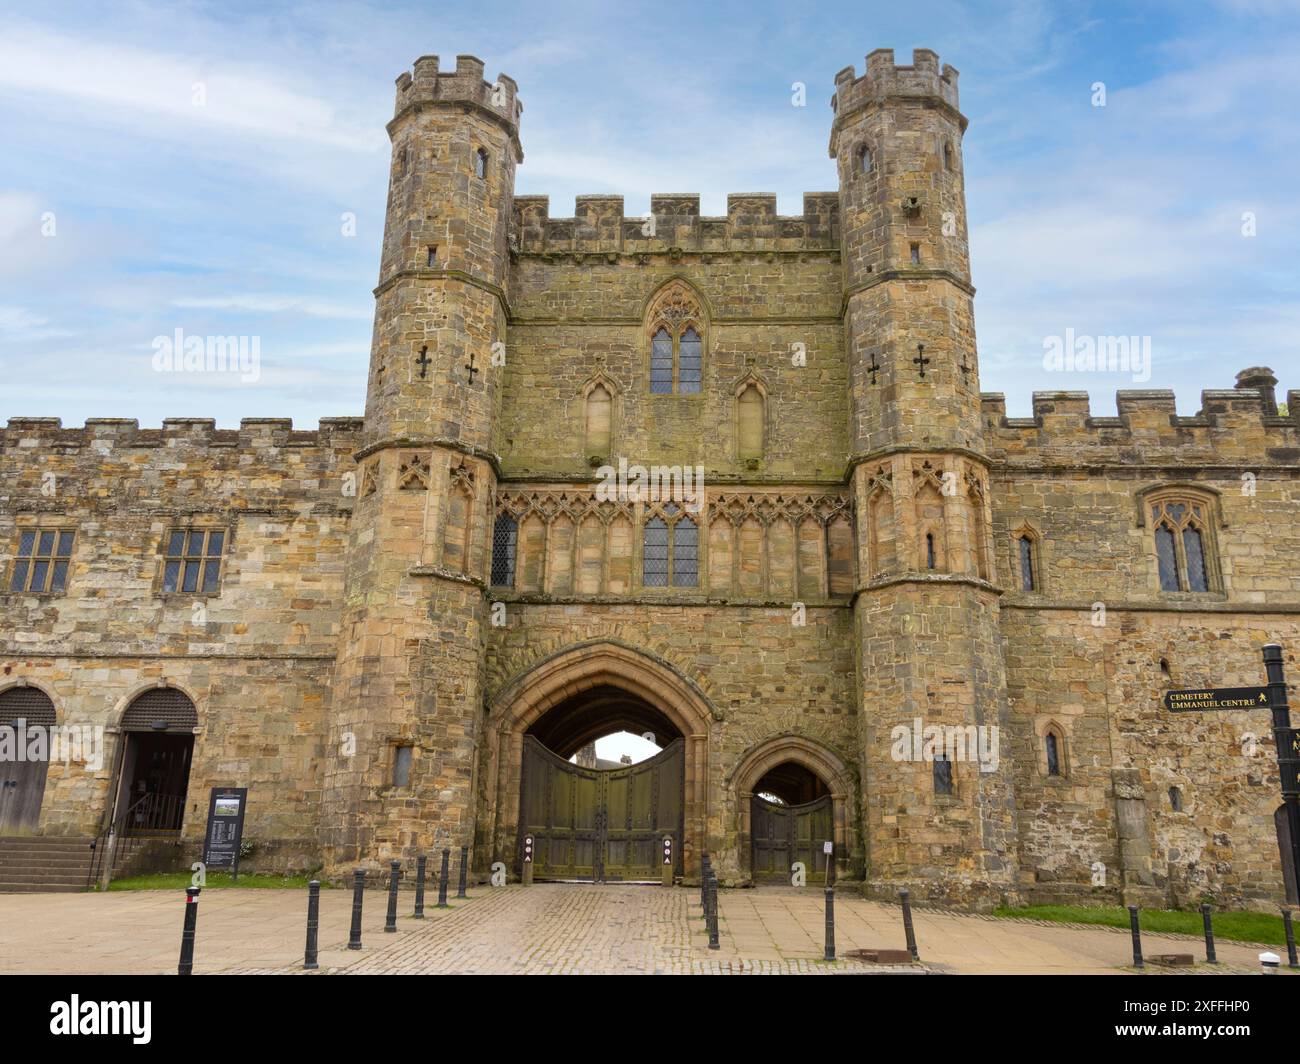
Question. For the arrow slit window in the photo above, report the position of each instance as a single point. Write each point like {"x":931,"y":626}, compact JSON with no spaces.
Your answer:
{"x":1183,"y":537}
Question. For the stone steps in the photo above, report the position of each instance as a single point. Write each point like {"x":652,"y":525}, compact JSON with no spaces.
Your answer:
{"x":33,"y":863}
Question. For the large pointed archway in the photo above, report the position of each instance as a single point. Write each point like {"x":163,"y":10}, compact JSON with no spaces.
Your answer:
{"x":576,"y":694}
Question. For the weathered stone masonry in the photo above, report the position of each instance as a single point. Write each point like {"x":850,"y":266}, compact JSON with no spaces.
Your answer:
{"x":851,"y":468}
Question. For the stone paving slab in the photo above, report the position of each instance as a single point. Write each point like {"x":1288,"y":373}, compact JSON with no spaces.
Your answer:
{"x":547,"y":929}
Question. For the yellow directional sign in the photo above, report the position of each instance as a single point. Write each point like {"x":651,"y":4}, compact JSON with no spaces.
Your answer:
{"x":1222,"y":698}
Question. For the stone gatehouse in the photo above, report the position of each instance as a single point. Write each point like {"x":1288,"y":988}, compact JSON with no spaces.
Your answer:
{"x":931,"y":635}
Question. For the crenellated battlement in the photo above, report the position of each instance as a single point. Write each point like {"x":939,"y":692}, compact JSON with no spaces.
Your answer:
{"x":24,"y":434}
{"x":426,"y":84}
{"x":600,"y":225}
{"x":884,"y":79}
{"x":1233,"y":425}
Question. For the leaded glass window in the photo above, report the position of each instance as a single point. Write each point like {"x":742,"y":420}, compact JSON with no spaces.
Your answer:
{"x":661,"y":363}
{"x":1027,"y":581}
{"x":1183,"y":544}
{"x":192,"y":560}
{"x":689,"y":362}
{"x":41,"y":565}
{"x":505,"y":540}
{"x":655,"y":556}
{"x":676,"y":341}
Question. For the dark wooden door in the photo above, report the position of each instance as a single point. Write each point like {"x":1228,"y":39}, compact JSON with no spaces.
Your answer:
{"x":784,"y":834}
{"x":600,"y":824}
{"x":26,"y":710}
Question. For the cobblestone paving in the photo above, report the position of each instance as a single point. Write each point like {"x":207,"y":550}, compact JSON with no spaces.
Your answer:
{"x":548,"y":929}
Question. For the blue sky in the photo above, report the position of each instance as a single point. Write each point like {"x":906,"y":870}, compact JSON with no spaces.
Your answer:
{"x":225,"y":218}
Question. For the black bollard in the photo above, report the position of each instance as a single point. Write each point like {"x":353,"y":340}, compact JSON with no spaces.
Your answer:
{"x":1210,"y":958}
{"x":358,"y":889}
{"x":313,"y":925}
{"x":394,"y":870}
{"x":1137,"y":936}
{"x":419,"y":887}
{"x":442,"y":879}
{"x":464,"y":872}
{"x":907,"y":924}
{"x":713,"y":911}
{"x":830,"y":924}
{"x":186,"y":965}
{"x":1290,"y":939}
{"x":704,"y":881}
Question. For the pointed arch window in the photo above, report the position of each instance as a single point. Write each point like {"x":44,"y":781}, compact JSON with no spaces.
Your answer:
{"x":505,"y":540}
{"x":671,"y":550}
{"x":1183,"y":537}
{"x":1028,"y":582}
{"x":676,"y":330}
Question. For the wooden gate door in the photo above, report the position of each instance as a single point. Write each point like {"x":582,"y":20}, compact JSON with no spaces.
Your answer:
{"x":22,"y":783}
{"x":600,"y":824}
{"x":784,"y":834}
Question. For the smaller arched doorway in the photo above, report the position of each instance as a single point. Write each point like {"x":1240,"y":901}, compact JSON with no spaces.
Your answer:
{"x":793,"y":797}
{"x":595,"y":820}
{"x":790,"y":821}
{"x":158,"y":732}
{"x":27,"y":718}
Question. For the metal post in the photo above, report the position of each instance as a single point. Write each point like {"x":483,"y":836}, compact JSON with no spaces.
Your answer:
{"x":358,"y":889}
{"x":313,"y":925}
{"x":830,"y":924}
{"x":442,"y":879}
{"x":705,"y":865}
{"x":186,"y":965}
{"x":1288,"y":756}
{"x":713,"y":911}
{"x":419,"y":887}
{"x":908,"y":930}
{"x":666,"y":867}
{"x":464,"y":872}
{"x":1210,"y":958}
{"x":394,"y":870}
{"x":1290,"y":939}
{"x":1137,"y":936}
{"x":526,"y":872}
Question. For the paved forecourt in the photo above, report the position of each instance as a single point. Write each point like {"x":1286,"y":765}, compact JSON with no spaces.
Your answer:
{"x":546,"y":929}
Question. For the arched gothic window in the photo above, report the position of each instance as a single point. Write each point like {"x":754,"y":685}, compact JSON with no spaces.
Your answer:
{"x":1027,"y":580}
{"x":676,"y":329}
{"x":1183,"y":542}
{"x":599,"y":425}
{"x":505,"y":539}
{"x":671,"y":550}
{"x":1052,"y":751}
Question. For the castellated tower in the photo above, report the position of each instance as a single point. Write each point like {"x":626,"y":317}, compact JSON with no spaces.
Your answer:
{"x":926,"y":615}
{"x":407,"y":683}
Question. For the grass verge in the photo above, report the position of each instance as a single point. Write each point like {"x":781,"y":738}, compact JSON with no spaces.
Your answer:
{"x":1229,"y":926}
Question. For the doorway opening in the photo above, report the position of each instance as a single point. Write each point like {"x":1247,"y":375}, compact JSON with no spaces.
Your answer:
{"x":791,"y":820}
{"x":596,"y":818}
{"x":158,"y":730}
